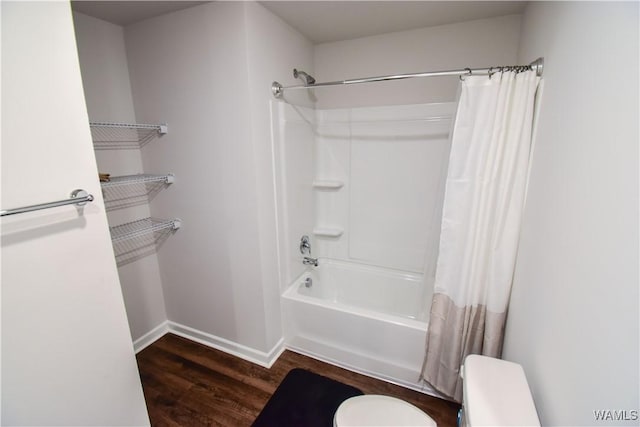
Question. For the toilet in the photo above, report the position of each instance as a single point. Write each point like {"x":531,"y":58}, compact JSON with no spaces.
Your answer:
{"x":495,"y":393}
{"x":377,"y":410}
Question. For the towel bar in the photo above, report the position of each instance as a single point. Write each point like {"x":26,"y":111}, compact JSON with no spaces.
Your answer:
{"x":78,"y":197}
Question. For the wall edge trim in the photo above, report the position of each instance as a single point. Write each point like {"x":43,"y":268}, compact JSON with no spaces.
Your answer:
{"x":261,"y":358}
{"x":150,"y":337}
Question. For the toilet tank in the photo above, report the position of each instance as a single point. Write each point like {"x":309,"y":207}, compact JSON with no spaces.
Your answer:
{"x":495,"y":393}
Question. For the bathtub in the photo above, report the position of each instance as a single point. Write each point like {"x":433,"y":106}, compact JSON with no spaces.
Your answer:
{"x":367,"y":319}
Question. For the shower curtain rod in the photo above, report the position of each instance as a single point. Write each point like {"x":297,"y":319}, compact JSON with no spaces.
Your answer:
{"x":278,"y":90}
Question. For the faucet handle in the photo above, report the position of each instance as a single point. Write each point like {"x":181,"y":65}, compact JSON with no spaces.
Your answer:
{"x":305,"y":245}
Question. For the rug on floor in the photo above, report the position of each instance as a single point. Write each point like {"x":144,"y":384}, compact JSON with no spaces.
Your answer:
{"x":304,"y":399}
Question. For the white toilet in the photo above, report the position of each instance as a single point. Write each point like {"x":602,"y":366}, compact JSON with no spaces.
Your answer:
{"x":376,"y":410}
{"x":495,"y":393}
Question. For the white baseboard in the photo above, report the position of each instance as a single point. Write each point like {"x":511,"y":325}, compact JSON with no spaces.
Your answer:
{"x":265,"y":359}
{"x":256,"y":356}
{"x":150,"y":337}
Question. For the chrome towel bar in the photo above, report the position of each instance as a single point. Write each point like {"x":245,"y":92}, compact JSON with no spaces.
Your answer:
{"x":78,"y":197}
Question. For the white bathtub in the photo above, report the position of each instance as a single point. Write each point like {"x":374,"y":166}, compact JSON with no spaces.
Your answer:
{"x":367,"y":319}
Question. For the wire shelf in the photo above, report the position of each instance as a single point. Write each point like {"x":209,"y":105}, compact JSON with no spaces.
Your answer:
{"x":131,"y":190}
{"x":137,"y":239}
{"x":142,"y":178}
{"x":116,"y":136}
{"x":141,"y":227}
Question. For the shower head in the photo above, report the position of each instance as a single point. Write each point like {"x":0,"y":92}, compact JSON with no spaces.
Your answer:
{"x":306,"y":78}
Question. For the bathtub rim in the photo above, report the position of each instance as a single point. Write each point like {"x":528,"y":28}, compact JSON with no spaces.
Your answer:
{"x":291,"y":293}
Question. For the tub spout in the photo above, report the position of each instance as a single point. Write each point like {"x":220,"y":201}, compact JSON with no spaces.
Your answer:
{"x":310,"y":261}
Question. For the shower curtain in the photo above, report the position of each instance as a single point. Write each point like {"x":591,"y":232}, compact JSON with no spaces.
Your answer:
{"x":483,"y":205}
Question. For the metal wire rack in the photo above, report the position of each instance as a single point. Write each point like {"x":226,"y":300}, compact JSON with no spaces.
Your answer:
{"x":117,"y":136}
{"x":131,"y":190}
{"x":137,"y":239}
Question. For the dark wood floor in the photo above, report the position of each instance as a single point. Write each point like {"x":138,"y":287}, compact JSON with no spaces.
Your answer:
{"x":188,"y":384}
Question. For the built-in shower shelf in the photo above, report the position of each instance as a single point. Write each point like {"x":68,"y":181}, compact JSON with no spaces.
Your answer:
{"x":137,"y":239}
{"x":124,"y":135}
{"x":327,"y":184}
{"x":328,"y":231}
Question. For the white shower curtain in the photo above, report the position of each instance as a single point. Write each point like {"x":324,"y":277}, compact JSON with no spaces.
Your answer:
{"x":483,"y":205}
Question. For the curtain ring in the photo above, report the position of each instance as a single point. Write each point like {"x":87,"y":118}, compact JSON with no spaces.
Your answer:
{"x":469,"y":73}
{"x":491,"y":72}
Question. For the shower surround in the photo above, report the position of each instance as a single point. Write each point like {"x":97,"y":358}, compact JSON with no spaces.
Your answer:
{"x":366,"y":184}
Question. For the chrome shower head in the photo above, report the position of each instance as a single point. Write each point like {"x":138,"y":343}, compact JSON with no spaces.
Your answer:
{"x":306,"y":78}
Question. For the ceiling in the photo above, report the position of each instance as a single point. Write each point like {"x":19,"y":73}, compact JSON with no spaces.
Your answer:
{"x":325,"y":21}
{"x":128,"y":12}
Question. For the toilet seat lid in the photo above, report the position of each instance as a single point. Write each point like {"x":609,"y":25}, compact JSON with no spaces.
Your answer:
{"x":377,"y":410}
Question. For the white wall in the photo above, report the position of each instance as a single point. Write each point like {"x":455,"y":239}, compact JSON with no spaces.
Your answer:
{"x":573,"y":320}
{"x":273,"y":50}
{"x":107,"y":90}
{"x":188,"y":69}
{"x":67,"y":357}
{"x":480,"y":43}
{"x":207,"y":71}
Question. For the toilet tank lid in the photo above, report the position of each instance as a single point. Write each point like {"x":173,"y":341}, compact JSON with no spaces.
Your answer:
{"x":496,"y":393}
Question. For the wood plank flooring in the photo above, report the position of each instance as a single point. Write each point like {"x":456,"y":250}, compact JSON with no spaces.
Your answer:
{"x":189,"y":384}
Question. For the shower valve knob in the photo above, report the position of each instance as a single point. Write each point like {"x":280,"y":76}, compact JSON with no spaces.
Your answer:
{"x":305,"y":245}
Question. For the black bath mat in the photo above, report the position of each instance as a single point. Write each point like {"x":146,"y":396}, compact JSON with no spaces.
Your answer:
{"x":304,"y":399}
